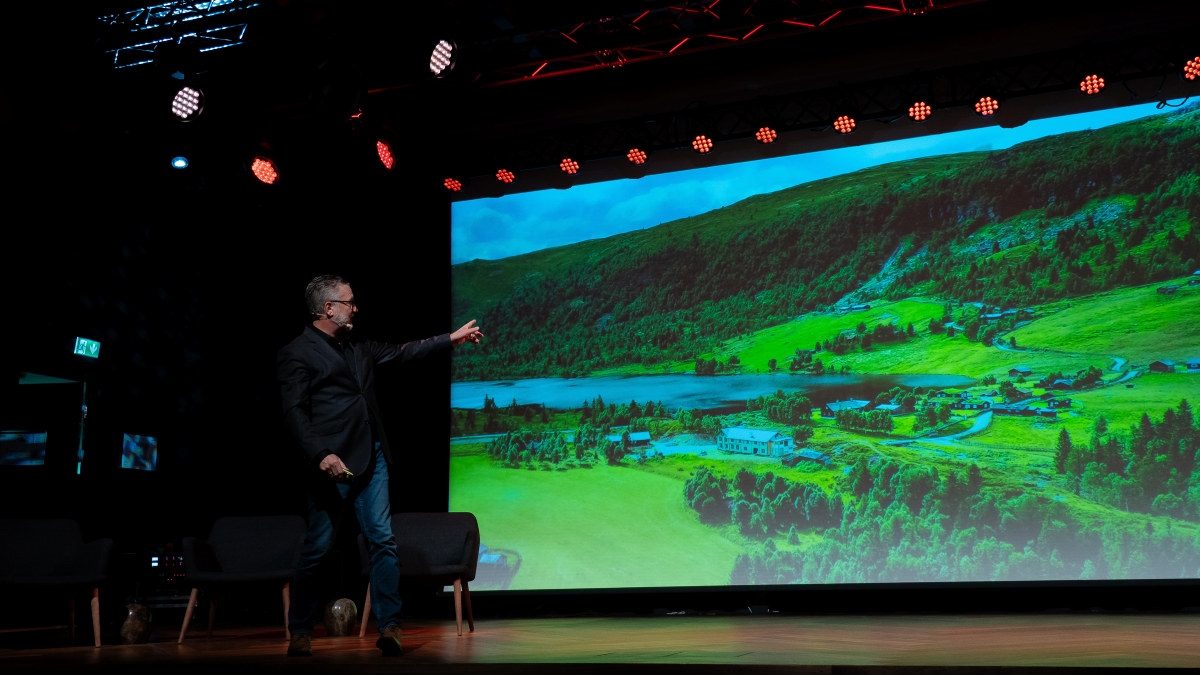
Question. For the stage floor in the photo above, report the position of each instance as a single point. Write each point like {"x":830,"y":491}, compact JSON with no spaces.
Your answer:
{"x":771,"y":643}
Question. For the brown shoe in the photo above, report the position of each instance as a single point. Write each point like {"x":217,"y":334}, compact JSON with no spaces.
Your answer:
{"x":301,"y":645}
{"x":389,"y":641}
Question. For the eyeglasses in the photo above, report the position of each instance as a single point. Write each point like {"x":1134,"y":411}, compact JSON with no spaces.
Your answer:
{"x":346,"y":302}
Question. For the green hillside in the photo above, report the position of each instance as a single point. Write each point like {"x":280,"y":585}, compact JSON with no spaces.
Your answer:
{"x":1040,"y":224}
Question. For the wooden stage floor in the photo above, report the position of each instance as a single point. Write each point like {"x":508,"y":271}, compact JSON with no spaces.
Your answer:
{"x":1116,"y":644}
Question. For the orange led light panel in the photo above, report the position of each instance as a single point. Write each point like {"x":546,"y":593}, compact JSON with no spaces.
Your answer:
{"x":264,"y":170}
{"x":1191,"y":69}
{"x":920,"y":111}
{"x":986,"y":106}
{"x":1091,"y":85}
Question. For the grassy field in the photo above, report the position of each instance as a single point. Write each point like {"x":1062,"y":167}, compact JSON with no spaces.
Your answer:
{"x":605,"y":527}
{"x":1138,"y":324}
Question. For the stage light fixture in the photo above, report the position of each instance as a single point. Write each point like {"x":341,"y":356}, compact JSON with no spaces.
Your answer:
{"x":1091,"y":85}
{"x":505,"y":176}
{"x":1191,"y":69}
{"x":264,"y":170}
{"x":919,"y":111}
{"x":179,"y":162}
{"x":452,"y":184}
{"x":443,"y":58}
{"x":569,"y":166}
{"x":636,"y":156}
{"x":384,"y":152}
{"x":765,"y":135}
{"x":702,"y":144}
{"x":844,"y":124}
{"x":188,"y":103}
{"x":986,"y":106}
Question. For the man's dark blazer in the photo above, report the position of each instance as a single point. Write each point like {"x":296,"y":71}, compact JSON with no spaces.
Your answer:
{"x":327,"y":407}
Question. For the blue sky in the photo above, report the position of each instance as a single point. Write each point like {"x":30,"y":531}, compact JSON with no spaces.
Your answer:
{"x":500,"y":227}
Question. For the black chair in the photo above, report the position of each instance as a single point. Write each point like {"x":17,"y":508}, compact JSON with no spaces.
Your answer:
{"x":242,"y":550}
{"x":51,"y":552}
{"x":438,"y":549}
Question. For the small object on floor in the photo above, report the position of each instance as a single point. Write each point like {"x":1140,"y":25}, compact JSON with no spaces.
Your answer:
{"x":340,"y":617}
{"x":300,"y":645}
{"x":389,"y":641}
{"x":136,"y":628}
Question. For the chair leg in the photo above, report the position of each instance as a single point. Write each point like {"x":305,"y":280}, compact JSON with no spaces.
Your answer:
{"x":458,"y":604}
{"x":466,"y":594}
{"x":287,"y":606}
{"x":71,"y":618}
{"x":96,"y":615}
{"x":212,"y":611}
{"x":366,"y":614}
{"x":187,"y":614}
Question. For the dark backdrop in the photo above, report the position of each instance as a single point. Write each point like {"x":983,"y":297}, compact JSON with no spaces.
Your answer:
{"x":192,"y":281}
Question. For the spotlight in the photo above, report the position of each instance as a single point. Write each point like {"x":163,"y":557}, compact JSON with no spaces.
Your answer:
{"x":1191,"y":69}
{"x":636,"y":156}
{"x":919,"y":111}
{"x":264,"y":170}
{"x":505,"y":176}
{"x":384,"y":152}
{"x":702,"y":144}
{"x":844,"y":124}
{"x":445,"y":55}
{"x":569,"y":166}
{"x":765,"y":135}
{"x":986,"y":106}
{"x":179,"y":162}
{"x":188,"y":103}
{"x":452,"y":184}
{"x":1091,"y":85}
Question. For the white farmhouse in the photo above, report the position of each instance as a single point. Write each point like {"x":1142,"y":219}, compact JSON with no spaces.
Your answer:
{"x":762,"y":442}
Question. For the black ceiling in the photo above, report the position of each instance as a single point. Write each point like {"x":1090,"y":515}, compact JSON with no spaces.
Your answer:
{"x":539,"y":80}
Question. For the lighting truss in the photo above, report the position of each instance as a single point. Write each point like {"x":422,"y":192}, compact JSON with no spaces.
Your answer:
{"x":137,"y":33}
{"x":671,"y":29}
{"x":884,"y":101}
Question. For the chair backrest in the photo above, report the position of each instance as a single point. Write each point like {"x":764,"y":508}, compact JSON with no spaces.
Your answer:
{"x":437,"y":545}
{"x":46,"y":550}
{"x":257,"y":544}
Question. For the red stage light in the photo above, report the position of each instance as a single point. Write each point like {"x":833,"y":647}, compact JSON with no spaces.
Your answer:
{"x":844,"y":124}
{"x":1092,"y":84}
{"x":636,"y":156}
{"x":385,"y":153}
{"x":986,"y":106}
{"x":569,"y":166}
{"x":702,"y":144}
{"x":505,"y":176}
{"x":264,"y":170}
{"x":452,"y":184}
{"x":920,"y":111}
{"x":766,"y":135}
{"x":1191,"y":69}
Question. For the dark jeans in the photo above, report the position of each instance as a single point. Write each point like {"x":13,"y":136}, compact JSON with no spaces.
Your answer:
{"x":326,"y":506}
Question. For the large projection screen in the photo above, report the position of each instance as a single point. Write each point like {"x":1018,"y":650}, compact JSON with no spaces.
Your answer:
{"x":965,"y":357}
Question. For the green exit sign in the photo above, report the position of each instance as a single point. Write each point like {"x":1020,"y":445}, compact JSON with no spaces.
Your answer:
{"x":88,"y":348}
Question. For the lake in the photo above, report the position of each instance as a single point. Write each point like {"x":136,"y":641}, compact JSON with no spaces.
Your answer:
{"x":687,"y":390}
